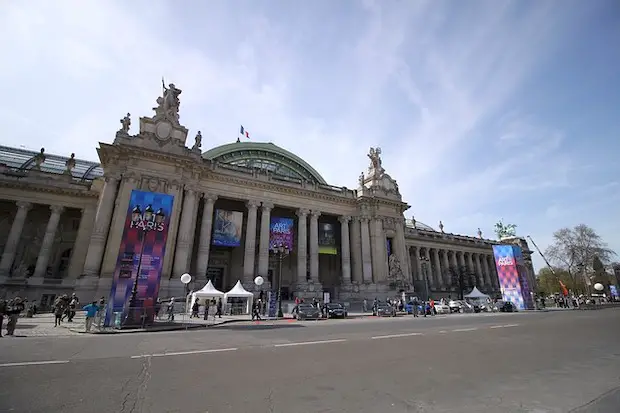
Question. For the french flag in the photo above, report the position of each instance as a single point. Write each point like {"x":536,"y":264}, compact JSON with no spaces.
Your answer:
{"x":244,"y":132}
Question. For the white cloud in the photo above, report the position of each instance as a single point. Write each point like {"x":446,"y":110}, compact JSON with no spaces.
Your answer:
{"x":425,"y":80}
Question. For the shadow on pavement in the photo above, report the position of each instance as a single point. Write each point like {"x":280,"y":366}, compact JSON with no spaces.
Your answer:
{"x":257,"y":326}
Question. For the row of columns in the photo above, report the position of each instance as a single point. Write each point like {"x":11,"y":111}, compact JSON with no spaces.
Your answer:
{"x":440,"y":261}
{"x":47,"y":244}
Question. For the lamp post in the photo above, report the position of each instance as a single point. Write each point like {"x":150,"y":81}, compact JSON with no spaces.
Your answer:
{"x":143,"y":222}
{"x":280,"y":251}
{"x":425,"y":261}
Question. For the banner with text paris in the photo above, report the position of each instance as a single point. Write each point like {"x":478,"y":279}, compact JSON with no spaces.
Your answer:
{"x":281,"y":232}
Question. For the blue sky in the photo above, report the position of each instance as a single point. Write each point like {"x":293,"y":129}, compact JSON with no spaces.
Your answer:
{"x":483,"y":109}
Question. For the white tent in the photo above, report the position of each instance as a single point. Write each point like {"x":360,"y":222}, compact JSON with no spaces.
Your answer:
{"x":476,"y":294}
{"x":208,"y":291}
{"x":239,"y":292}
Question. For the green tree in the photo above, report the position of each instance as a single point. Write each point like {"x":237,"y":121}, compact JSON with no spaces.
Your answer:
{"x":575,"y":250}
{"x":548,"y":281}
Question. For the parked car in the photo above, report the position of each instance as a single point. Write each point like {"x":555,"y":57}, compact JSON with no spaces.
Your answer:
{"x":335,"y":310}
{"x":505,"y":307}
{"x":442,"y":308}
{"x":384,"y":310}
{"x":307,"y":312}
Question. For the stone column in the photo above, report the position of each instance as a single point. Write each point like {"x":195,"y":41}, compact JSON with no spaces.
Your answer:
{"x":485,"y":269}
{"x":479,"y":274}
{"x":356,"y":250}
{"x":10,"y":249}
{"x":427,"y":268}
{"x":249,"y":252}
{"x":401,"y":249}
{"x":263,"y":243}
{"x":183,"y":247}
{"x":302,"y":244}
{"x":78,"y":253}
{"x":366,"y":253}
{"x":48,"y":241}
{"x":470,"y":266}
{"x":344,"y":249}
{"x":417,"y":251}
{"x":453,"y":260}
{"x":446,"y":268}
{"x":437,"y":267}
{"x":204,"y":243}
{"x":314,"y":246}
{"x":493,"y":272}
{"x":461,"y":257}
{"x":99,"y":236}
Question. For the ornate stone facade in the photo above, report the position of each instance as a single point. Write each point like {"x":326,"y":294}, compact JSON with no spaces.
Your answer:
{"x":62,"y":219}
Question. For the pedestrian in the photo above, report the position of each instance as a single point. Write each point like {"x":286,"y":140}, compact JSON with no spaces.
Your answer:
{"x":101,"y":312}
{"x":170,"y":309}
{"x":91,"y":311}
{"x":219,"y":308}
{"x":14,"y":308}
{"x":415,"y":305}
{"x":195,"y":308}
{"x":3,"y":306}
{"x":256,"y":311}
{"x":59,"y":310}
{"x":72,"y":307}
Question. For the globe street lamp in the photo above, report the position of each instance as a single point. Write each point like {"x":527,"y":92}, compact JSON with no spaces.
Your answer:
{"x":144,"y":222}
{"x":280,"y":251}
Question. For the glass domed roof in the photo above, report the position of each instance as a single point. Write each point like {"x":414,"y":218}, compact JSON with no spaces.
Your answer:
{"x":265,"y":156}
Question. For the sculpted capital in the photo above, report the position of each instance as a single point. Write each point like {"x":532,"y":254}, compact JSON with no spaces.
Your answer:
{"x":267,"y":206}
{"x":252,"y":204}
{"x":302,"y":213}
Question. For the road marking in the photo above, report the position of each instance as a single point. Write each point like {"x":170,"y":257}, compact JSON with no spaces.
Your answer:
{"x":396,"y":336}
{"x":304,"y":343}
{"x":505,"y":326}
{"x":34,"y":363}
{"x":496,"y":327}
{"x":184,"y":353}
{"x":465,"y":329}
{"x":443,"y":332}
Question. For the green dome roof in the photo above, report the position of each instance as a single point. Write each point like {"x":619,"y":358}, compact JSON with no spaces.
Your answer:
{"x":266,"y":156}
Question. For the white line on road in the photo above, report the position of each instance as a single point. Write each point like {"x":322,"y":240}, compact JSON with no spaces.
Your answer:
{"x":465,"y":329}
{"x":184,"y":353}
{"x":496,"y":327}
{"x":34,"y":363}
{"x":397,"y":336}
{"x":304,"y":343}
{"x":505,"y":326}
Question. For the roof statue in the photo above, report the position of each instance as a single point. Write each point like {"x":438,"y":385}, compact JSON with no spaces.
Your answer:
{"x":505,"y":230}
{"x":197,"y":142}
{"x":70,"y":164}
{"x":168,"y":104}
{"x":125,"y":124}
{"x":375,"y":168}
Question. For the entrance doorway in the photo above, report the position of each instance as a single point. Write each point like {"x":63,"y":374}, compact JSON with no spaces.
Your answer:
{"x":216,"y":275}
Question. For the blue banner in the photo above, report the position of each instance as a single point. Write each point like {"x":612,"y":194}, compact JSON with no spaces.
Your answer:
{"x":281,"y":232}
{"x":227,"y":228}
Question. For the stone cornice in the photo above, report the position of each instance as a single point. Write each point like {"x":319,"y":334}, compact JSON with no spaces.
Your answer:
{"x":83,"y":192}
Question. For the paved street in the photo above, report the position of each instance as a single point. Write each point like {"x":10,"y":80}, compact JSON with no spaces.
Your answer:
{"x":537,"y":362}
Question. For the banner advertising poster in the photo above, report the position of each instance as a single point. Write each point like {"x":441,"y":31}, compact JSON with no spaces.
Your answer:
{"x":526,"y":290}
{"x":510,"y":281}
{"x":613,"y":291}
{"x":327,"y":239}
{"x":227,"y":228}
{"x":281,"y":232}
{"x":145,"y":230}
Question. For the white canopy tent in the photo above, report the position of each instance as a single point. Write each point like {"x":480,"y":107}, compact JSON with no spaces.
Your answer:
{"x":476,"y":294}
{"x":207,"y":292}
{"x":239,"y":292}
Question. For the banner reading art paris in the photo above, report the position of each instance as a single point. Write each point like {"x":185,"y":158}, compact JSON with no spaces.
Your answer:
{"x":281,"y":232}
{"x":512,"y":276}
{"x":147,"y":222}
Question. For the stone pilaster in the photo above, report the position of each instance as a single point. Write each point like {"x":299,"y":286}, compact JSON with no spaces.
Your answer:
{"x":183,"y":247}
{"x":437,"y":269}
{"x":401,"y":250}
{"x":379,"y":250}
{"x":78,"y":253}
{"x":204,"y":244}
{"x":99,"y":235}
{"x":249,"y":252}
{"x":263,"y":243}
{"x":10,"y":248}
{"x":479,"y":274}
{"x":366,"y":251}
{"x":418,"y":262}
{"x":356,"y":250}
{"x":445,"y":268}
{"x":344,"y":249}
{"x":302,"y":245}
{"x":48,"y":241}
{"x":470,"y":266}
{"x":314,"y":246}
{"x":485,"y":269}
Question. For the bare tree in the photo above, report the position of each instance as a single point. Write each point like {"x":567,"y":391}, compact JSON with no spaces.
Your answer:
{"x":462,"y":279}
{"x":575,"y":250}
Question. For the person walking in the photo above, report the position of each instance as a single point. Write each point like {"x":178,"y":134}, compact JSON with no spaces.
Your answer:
{"x":91,"y":311}
{"x":2,"y":313}
{"x":14,"y":308}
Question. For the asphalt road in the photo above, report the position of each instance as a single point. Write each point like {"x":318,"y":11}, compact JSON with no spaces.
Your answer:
{"x":543,"y":362}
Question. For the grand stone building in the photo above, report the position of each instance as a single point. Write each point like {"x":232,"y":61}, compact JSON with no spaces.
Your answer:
{"x":62,"y":219}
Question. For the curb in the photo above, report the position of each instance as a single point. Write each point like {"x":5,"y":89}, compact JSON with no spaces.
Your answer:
{"x":156,"y":329}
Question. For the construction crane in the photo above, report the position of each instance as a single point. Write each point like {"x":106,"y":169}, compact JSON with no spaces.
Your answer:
{"x":542,"y":255}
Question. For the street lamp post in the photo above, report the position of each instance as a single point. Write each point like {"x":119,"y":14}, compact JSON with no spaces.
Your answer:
{"x":143,"y":222}
{"x":425,"y":263}
{"x":280,"y":251}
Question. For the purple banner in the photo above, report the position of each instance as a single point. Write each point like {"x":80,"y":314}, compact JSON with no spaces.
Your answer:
{"x":281,"y":232}
{"x":143,"y":246}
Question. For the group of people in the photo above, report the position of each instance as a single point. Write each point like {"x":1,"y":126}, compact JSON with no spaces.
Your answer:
{"x":11,"y":309}
{"x":213,"y":305}
{"x":65,"y":307}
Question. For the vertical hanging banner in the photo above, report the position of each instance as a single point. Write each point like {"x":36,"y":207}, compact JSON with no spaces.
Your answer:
{"x":143,"y":245}
{"x":227,"y":228}
{"x":327,"y":239}
{"x":281,"y":232}
{"x":513,"y":276}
